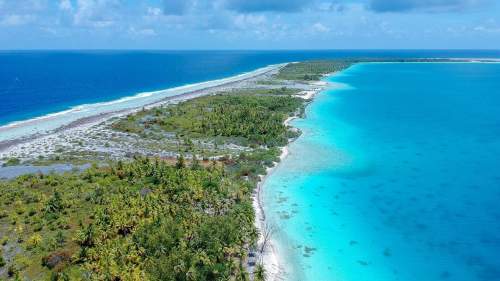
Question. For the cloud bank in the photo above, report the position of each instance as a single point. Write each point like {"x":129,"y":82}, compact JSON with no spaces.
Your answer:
{"x":426,"y":5}
{"x":246,"y":6}
{"x":246,"y":24}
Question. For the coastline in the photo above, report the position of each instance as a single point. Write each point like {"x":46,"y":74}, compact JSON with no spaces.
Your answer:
{"x":60,"y":145}
{"x":282,"y":248}
{"x":271,"y":259}
{"x":273,"y":263}
{"x":85,"y":116}
{"x":372,"y":265}
{"x":23,"y":131}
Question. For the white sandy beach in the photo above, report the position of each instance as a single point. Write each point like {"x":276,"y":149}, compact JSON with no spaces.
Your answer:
{"x":274,"y":264}
{"x":38,"y":136}
{"x":88,"y":124}
{"x":98,"y":112}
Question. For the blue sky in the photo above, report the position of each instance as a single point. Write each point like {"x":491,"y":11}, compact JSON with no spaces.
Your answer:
{"x":249,"y":24}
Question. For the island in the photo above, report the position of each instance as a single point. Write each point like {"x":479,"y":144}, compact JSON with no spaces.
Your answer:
{"x":168,"y":191}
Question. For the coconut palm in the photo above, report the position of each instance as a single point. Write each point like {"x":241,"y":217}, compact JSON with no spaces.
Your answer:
{"x":259,"y":273}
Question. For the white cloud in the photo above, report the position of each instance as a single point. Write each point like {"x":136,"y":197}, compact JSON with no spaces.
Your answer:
{"x":16,"y":20}
{"x":154,"y":11}
{"x":16,"y":13}
{"x":22,"y":6}
{"x":487,"y":29}
{"x":154,"y":15}
{"x":146,"y":32}
{"x":331,"y":7}
{"x":244,"y":21}
{"x":96,"y":13}
{"x":321,"y":28}
{"x":65,"y":5}
{"x":49,"y":30}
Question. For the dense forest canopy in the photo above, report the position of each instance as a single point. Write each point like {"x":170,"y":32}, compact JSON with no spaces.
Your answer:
{"x":255,"y":117}
{"x":311,"y":70}
{"x":133,"y":221}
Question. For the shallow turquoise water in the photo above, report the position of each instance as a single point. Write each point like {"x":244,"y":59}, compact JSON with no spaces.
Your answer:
{"x":396,"y":177}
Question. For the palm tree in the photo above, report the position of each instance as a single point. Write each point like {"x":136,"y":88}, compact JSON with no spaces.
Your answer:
{"x":180,"y":162}
{"x":259,"y":273}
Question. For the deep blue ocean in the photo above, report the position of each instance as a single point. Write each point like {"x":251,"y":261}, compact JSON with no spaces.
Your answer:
{"x":35,"y":83}
{"x":395,"y":177}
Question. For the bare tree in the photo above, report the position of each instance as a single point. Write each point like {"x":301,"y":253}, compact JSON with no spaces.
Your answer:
{"x":267,"y":232}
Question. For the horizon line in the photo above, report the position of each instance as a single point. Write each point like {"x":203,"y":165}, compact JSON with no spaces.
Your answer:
{"x":263,"y":50}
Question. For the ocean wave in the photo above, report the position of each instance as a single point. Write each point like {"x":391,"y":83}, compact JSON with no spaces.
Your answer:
{"x":103,"y":107}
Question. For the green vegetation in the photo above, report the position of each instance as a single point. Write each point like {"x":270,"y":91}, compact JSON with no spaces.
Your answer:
{"x":265,"y":92}
{"x":150,"y":219}
{"x":311,"y":70}
{"x":249,"y":118}
{"x":260,"y":273}
{"x":144,"y":220}
{"x":11,"y":162}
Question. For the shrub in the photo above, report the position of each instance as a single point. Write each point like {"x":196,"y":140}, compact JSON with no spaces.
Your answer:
{"x":54,"y":205}
{"x":12,"y":162}
{"x":12,"y":270}
{"x":34,"y":241}
{"x":19,"y":207}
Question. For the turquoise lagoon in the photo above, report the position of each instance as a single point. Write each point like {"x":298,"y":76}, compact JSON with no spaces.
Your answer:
{"x":395,"y":177}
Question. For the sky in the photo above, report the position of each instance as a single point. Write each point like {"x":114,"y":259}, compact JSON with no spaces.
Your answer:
{"x":249,"y":24}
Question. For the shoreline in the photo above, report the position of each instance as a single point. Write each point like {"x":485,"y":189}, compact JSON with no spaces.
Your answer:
{"x":273,"y":256}
{"x":271,"y":251}
{"x":273,"y":263}
{"x":270,"y":258}
{"x":26,"y":131}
